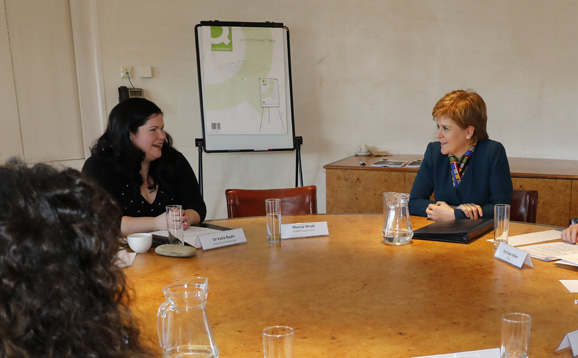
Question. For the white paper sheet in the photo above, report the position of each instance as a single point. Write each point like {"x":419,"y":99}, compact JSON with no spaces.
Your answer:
{"x":534,"y":237}
{"x":571,"y":285}
{"x":190,"y":234}
{"x":551,"y":251}
{"x":571,"y":260}
{"x":484,"y":353}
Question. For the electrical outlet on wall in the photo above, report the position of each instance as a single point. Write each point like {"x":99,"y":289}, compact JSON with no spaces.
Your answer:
{"x":124,"y":70}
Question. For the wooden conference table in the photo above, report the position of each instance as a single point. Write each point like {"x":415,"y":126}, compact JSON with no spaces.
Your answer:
{"x":349,"y":295}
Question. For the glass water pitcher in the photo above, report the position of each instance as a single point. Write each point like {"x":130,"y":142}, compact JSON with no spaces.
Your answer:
{"x":397,"y":225}
{"x":183,"y":325}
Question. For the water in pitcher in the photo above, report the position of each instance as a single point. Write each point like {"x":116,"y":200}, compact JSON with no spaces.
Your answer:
{"x":189,"y":352}
{"x":398,"y":237}
{"x":183,"y":326}
{"x":397,"y":225}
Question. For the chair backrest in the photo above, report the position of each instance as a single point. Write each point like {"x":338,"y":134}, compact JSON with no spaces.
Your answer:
{"x":524,"y":206}
{"x":294,"y":201}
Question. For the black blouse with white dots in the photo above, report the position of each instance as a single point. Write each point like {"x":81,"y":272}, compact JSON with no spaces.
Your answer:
{"x":184,"y":190}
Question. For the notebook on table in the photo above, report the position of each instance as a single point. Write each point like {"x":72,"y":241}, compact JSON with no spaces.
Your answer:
{"x":460,"y":231}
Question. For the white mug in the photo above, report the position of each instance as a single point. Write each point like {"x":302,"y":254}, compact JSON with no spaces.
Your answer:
{"x":140,"y":242}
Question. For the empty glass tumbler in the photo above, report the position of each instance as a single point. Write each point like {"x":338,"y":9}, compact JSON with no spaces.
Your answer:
{"x":397,"y":225}
{"x":273,"y":215}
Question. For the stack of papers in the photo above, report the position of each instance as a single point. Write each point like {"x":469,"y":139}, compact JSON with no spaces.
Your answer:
{"x":190,"y":234}
{"x":413,"y":164}
{"x":389,"y":163}
{"x":484,"y":353}
{"x":571,"y":259}
{"x":551,"y":251}
{"x":527,"y":239}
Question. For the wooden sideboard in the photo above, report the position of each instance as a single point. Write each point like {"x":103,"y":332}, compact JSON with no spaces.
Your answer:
{"x":352,"y":188}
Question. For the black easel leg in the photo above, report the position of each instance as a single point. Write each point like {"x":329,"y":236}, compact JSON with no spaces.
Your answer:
{"x":199,"y":142}
{"x":298,"y":169}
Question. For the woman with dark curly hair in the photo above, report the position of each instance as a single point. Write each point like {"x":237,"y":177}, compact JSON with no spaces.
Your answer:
{"x":135,"y":161}
{"x":61,"y":293}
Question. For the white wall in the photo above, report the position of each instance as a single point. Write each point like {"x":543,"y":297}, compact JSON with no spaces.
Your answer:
{"x":40,"y":118}
{"x":364,"y":72}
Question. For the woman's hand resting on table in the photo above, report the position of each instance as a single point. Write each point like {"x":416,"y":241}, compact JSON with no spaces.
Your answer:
{"x":472,"y":211}
{"x":131,"y":225}
{"x":160,"y":221}
{"x":570,"y":234}
{"x":441,"y":211}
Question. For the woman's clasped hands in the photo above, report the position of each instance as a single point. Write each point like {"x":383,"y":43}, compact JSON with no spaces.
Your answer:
{"x":441,"y":211}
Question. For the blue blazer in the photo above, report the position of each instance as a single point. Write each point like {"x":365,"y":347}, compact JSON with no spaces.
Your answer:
{"x":486,"y":182}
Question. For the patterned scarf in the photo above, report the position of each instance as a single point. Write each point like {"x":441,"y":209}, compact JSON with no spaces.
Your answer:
{"x":458,"y":167}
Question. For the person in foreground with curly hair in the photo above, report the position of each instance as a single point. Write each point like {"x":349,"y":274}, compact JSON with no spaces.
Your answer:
{"x":61,"y":292}
{"x":134,"y":160}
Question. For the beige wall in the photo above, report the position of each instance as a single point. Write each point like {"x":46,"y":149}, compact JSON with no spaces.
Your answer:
{"x":364,"y":72}
{"x":37,"y":55}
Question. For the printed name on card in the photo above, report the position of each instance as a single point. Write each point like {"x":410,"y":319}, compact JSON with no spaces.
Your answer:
{"x":513,"y":256}
{"x":214,"y":240}
{"x":292,"y":231}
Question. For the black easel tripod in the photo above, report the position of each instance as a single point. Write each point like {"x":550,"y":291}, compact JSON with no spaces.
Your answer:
{"x":297,"y":141}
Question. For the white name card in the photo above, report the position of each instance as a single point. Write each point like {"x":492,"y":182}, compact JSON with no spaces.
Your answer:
{"x":214,"y":240}
{"x":292,"y":231}
{"x":513,"y":256}
{"x":570,"y":341}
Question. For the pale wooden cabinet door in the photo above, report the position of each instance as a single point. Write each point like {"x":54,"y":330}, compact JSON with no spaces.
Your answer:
{"x":41,"y":115}
{"x":10,"y":140}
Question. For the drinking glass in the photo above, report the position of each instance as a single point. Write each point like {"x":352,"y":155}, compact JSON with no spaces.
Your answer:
{"x":501,"y":224}
{"x":273,"y":213}
{"x":278,"y":342}
{"x":175,"y":224}
{"x":515,"y":335}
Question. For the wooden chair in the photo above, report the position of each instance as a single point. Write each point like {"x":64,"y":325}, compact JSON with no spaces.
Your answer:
{"x":524,"y":206}
{"x":294,"y":201}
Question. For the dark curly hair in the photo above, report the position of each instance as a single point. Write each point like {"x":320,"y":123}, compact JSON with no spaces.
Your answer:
{"x":124,"y":119}
{"x":61,"y":292}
